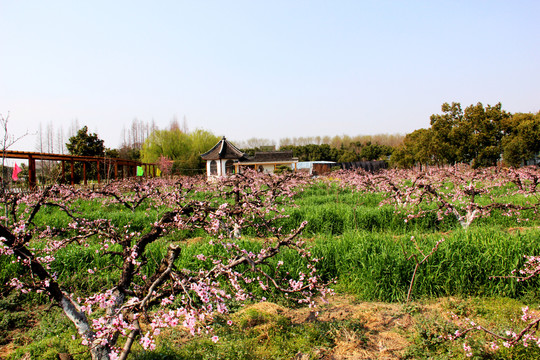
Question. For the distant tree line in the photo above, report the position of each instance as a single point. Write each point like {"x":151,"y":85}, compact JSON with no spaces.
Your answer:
{"x":356,"y":151}
{"x":479,"y":136}
{"x":338,"y":148}
{"x":338,"y":141}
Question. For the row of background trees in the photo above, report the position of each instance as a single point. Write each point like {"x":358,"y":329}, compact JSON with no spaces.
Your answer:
{"x":477,"y":135}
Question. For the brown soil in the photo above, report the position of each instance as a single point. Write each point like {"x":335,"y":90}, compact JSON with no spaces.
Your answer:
{"x":5,"y":351}
{"x":387,"y":327}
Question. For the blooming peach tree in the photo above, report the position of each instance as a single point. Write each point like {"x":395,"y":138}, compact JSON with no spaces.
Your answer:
{"x":527,"y":326}
{"x":466,"y":194}
{"x":138,"y":305}
{"x":459,"y":191}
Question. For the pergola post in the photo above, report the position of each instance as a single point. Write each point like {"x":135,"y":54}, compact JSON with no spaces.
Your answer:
{"x":31,"y":172}
{"x":72,"y":172}
{"x":127,"y":169}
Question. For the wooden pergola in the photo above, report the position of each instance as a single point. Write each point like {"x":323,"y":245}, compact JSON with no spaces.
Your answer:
{"x":131,"y":165}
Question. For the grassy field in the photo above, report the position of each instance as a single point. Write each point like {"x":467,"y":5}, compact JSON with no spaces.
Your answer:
{"x":365,"y":248}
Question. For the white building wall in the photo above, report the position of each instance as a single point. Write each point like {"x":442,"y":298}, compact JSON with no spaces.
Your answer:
{"x":219,"y":166}
{"x":267,"y":168}
{"x":222,"y":169}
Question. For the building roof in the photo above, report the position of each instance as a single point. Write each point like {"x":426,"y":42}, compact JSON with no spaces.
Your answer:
{"x":223,"y":150}
{"x":272,"y":157}
{"x":226,"y":150}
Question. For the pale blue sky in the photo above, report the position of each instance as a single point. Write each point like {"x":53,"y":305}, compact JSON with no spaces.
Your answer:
{"x":266,"y":69}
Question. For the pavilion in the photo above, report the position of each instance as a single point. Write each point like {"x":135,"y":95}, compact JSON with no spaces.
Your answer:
{"x":226,"y":159}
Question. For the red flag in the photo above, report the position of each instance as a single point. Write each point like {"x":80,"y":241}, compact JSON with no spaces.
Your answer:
{"x":16,"y":171}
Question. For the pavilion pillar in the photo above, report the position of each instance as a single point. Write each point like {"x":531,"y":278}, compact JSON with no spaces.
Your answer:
{"x":84,"y":173}
{"x":98,"y":175}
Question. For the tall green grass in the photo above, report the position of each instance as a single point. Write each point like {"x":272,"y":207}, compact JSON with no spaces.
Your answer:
{"x":375,"y":267}
{"x":332,"y":210}
{"x":361,"y":242}
{"x":372,"y":266}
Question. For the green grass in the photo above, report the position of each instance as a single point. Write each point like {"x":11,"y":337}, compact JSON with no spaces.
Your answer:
{"x":361,"y":245}
{"x":373,"y":266}
{"x":51,"y":335}
{"x":496,"y":313}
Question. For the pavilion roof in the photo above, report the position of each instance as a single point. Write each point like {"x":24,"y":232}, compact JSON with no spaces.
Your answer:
{"x":223,"y":150}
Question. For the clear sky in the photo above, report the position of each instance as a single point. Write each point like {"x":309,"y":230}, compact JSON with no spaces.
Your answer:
{"x":265,"y":69}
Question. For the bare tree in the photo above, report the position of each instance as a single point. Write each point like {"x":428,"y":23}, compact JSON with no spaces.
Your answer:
{"x":184,"y":128}
{"x":8,"y":140}
{"x":46,"y":144}
{"x":174,"y":124}
{"x":74,"y":127}
{"x":134,"y":136}
{"x":255,"y":143}
{"x":60,"y":142}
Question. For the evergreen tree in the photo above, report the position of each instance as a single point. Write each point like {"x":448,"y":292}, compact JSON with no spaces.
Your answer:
{"x":85,"y":144}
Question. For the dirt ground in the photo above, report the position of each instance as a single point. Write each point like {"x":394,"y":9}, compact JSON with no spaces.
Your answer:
{"x":387,"y":327}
